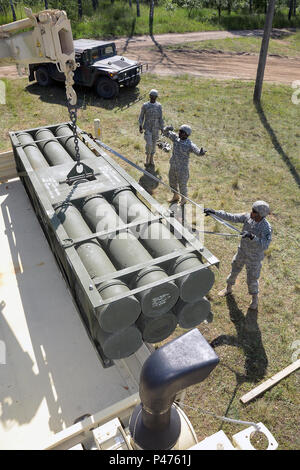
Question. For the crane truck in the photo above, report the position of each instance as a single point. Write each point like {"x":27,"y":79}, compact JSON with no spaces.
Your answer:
{"x":94,"y":273}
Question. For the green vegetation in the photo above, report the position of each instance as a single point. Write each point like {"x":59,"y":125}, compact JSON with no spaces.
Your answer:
{"x":119,"y":17}
{"x":287,"y":44}
{"x":252,"y":154}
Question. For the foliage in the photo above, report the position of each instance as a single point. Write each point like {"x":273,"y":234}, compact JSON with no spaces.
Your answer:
{"x":112,"y":18}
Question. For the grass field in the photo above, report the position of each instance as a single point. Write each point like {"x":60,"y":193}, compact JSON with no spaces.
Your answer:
{"x":252,"y":153}
{"x":287,"y":44}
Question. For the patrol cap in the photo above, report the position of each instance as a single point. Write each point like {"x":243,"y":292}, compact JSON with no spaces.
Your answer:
{"x":185,"y":128}
{"x":262,"y":208}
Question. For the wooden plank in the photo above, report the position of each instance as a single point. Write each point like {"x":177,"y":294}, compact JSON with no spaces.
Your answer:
{"x":270,"y":382}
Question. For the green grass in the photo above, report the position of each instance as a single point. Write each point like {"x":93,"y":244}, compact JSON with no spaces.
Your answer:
{"x":287,"y":45}
{"x":121,"y":20}
{"x":250,"y":156}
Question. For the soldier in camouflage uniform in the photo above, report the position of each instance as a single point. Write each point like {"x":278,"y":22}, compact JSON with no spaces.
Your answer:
{"x":151,"y":121}
{"x":179,"y":162}
{"x":256,"y":237}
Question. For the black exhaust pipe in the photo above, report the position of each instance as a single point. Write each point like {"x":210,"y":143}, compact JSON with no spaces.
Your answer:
{"x":185,"y":361}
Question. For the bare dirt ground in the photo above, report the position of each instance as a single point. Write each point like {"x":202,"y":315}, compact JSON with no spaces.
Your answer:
{"x":209,"y":64}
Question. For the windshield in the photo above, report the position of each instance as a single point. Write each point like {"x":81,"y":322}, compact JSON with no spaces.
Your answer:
{"x":102,"y":52}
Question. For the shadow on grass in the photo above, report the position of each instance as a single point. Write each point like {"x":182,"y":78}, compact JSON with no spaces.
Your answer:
{"x":276,"y":143}
{"x":55,"y":94}
{"x":249,"y":339}
{"x":161,"y":50}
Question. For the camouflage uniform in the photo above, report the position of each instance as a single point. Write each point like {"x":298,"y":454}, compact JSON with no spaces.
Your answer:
{"x":179,"y":162}
{"x":250,"y":252}
{"x":151,"y":121}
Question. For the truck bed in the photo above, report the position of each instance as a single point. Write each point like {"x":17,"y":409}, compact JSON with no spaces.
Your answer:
{"x":50,"y":372}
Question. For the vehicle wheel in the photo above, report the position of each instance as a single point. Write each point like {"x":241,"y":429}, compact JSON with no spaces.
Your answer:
{"x":42,"y":76}
{"x":134,"y":83}
{"x":107,"y":88}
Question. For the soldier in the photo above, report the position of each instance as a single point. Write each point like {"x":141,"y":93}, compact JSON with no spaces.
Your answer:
{"x":151,"y":120}
{"x":179,"y":162}
{"x":256,"y":237}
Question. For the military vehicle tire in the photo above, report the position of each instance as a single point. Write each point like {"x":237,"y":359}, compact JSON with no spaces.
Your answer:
{"x":43,"y":77}
{"x":107,"y":88}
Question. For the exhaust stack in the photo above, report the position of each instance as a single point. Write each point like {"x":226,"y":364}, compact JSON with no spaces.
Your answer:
{"x":155,"y":424}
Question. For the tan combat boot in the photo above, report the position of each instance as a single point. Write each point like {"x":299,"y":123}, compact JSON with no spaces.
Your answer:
{"x":175,"y":198}
{"x":226,"y":291}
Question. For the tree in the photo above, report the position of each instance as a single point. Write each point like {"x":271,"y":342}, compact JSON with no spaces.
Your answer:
{"x":79,"y":8}
{"x":292,"y":8}
{"x":95,"y":4}
{"x":151,"y":17}
{"x":191,"y":5}
{"x":138,"y":13}
{"x":13,"y":10}
{"x":264,"y":51}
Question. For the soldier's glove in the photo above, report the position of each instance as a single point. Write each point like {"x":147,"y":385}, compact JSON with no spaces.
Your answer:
{"x":247,"y":235}
{"x":202,"y":151}
{"x":141,"y":129}
{"x":168,"y":128}
{"x":209,"y":211}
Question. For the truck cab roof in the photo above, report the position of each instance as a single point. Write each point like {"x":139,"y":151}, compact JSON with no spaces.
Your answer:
{"x":81,"y":45}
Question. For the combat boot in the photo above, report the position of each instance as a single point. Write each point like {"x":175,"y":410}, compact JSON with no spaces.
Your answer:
{"x":226,"y":291}
{"x":175,"y":198}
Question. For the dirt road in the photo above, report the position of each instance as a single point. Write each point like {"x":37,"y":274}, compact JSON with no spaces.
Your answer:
{"x":210,"y":64}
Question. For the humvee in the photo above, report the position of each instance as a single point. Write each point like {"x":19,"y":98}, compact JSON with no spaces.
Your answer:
{"x":99,"y":67}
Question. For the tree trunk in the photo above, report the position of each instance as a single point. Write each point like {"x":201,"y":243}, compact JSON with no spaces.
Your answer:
{"x":219,"y":12}
{"x":151,"y":17}
{"x":291,"y":4}
{"x":138,"y":13}
{"x":79,"y":2}
{"x":292,"y":9}
{"x":13,"y":10}
{"x":250,"y":6}
{"x":130,"y":3}
{"x":95,"y":4}
{"x":264,"y":52}
{"x":46,"y":4}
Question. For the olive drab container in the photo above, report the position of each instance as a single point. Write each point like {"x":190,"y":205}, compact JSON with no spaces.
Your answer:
{"x":134,"y":271}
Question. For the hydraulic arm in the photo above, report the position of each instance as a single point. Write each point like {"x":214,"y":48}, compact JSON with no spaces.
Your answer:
{"x":41,"y":37}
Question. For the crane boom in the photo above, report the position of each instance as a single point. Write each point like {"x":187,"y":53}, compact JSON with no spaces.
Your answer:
{"x":41,"y":37}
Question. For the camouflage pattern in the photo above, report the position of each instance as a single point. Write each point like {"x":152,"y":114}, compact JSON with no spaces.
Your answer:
{"x":250,"y":252}
{"x":151,"y":137}
{"x":179,"y":162}
{"x":151,"y":120}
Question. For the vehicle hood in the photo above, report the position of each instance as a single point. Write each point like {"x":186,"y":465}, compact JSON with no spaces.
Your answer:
{"x":114,"y":64}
